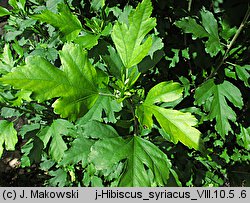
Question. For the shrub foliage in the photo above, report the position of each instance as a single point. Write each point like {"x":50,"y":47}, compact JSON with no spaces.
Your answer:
{"x":120,"y":93}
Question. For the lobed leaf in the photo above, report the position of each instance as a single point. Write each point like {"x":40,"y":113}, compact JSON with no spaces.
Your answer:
{"x":8,"y":136}
{"x":74,"y":83}
{"x":175,"y":123}
{"x":208,"y":29}
{"x":179,"y":126}
{"x":219,"y":108}
{"x":78,"y":152}
{"x":128,"y":38}
{"x":97,"y":4}
{"x":64,"y":20}
{"x":189,"y":25}
{"x":243,"y":74}
{"x":54,"y":134}
{"x":141,"y":155}
{"x":244,"y":136}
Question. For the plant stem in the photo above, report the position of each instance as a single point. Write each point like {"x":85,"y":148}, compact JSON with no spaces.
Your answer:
{"x":232,"y":64}
{"x":189,"y":5}
{"x":105,"y":94}
{"x":244,"y":21}
{"x":189,"y":9}
{"x":136,"y":124}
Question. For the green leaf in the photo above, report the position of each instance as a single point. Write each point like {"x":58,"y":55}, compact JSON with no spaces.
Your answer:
{"x":6,"y":60}
{"x":9,"y":112}
{"x":114,"y":63}
{"x":105,"y":105}
{"x":164,"y":92}
{"x":141,"y":155}
{"x":210,"y":24}
{"x":8,"y":136}
{"x":13,"y":3}
{"x":178,"y":125}
{"x":81,"y":146}
{"x":225,"y":156}
{"x":128,"y":38}
{"x":157,"y":44}
{"x":147,"y":63}
{"x":144,"y":116}
{"x":52,"y":4}
{"x":25,"y":129}
{"x":4,"y":11}
{"x":243,"y":73}
{"x":189,"y":25}
{"x":65,"y":21}
{"x":97,"y":4}
{"x":244,"y":136}
{"x":74,"y":83}
{"x":219,"y":108}
{"x":87,"y":40}
{"x":54,"y":133}
{"x":208,"y":29}
{"x":21,"y":96}
{"x":78,"y":152}
{"x":59,"y":178}
{"x":175,"y":58}
{"x":96,"y":182}
{"x":227,"y":32}
{"x":97,"y":130}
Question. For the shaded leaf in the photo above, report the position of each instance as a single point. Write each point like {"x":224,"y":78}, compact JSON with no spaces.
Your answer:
{"x":138,"y":154}
{"x":114,"y":63}
{"x":208,"y":29}
{"x":65,"y":21}
{"x":189,"y":25}
{"x":59,"y":178}
{"x":8,"y":136}
{"x":243,"y":73}
{"x":157,"y":44}
{"x":219,"y":109}
{"x":97,"y":4}
{"x":55,"y":133}
{"x":244,"y":136}
{"x":105,"y":105}
{"x":97,"y":130}
{"x":78,"y":152}
{"x":87,"y":40}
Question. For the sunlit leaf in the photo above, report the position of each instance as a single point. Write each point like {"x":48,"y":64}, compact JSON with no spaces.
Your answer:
{"x":128,"y":38}
{"x":4,"y":11}
{"x":74,"y":83}
{"x":178,"y":125}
